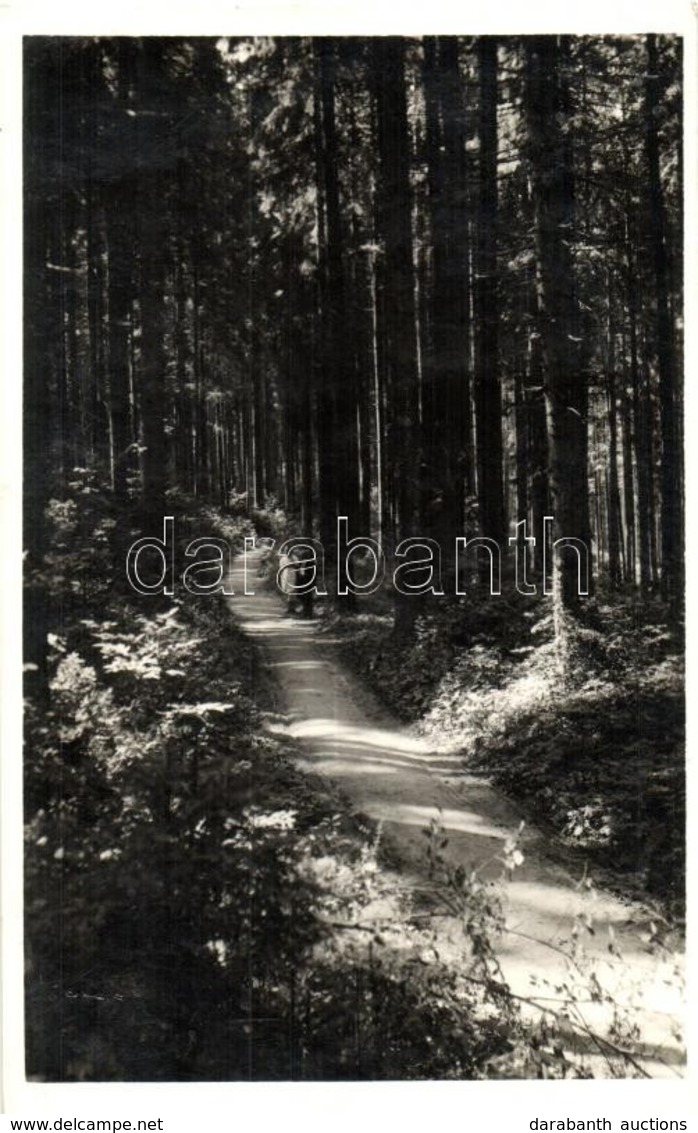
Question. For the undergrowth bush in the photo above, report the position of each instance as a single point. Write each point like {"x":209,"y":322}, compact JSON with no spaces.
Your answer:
{"x":598,"y":757}
{"x":196,"y":907}
{"x":194,"y":903}
{"x":184,"y":884}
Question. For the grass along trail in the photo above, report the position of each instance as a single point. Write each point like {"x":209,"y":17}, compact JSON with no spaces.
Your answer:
{"x":396,"y":779}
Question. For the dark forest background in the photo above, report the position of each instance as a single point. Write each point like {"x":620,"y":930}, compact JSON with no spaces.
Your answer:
{"x":433,"y":285}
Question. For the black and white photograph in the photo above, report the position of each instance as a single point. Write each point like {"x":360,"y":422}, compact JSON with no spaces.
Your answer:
{"x":353,"y":546}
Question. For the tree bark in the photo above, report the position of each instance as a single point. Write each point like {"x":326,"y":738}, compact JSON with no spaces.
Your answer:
{"x":394,"y":222}
{"x":671,"y":514}
{"x":614,"y":532}
{"x":566,"y":389}
{"x":446,"y":330}
{"x":488,"y":395}
{"x":338,"y":352}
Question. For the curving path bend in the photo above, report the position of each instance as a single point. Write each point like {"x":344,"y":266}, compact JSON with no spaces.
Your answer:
{"x":394,"y":777}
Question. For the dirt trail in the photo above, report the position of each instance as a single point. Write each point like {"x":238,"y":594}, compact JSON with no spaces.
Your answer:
{"x":393,"y":776}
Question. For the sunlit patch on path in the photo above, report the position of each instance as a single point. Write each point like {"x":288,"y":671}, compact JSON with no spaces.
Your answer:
{"x":394,"y":777}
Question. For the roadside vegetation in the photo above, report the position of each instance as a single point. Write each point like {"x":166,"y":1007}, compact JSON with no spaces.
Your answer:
{"x":596,"y":757}
{"x":196,"y":907}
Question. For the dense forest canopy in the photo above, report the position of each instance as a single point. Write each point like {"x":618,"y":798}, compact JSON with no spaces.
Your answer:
{"x":431,"y":285}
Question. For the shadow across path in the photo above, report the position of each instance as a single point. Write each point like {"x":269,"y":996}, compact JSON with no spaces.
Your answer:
{"x":394,"y":777}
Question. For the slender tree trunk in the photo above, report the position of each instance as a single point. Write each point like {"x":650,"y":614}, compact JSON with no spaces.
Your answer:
{"x":446,"y":388}
{"x":671,"y":512}
{"x":522,"y":453}
{"x":74,"y":427}
{"x":642,"y":438}
{"x":153,"y":361}
{"x":41,"y":350}
{"x":152,"y":233}
{"x":99,"y":441}
{"x":324,"y":375}
{"x":184,"y":465}
{"x":614,"y":533}
{"x":380,"y":475}
{"x":120,"y":250}
{"x":538,"y":433}
{"x":628,"y":487}
{"x":307,"y":462}
{"x":338,"y":350}
{"x":434,"y":472}
{"x":488,"y":395}
{"x":398,"y":300}
{"x":202,"y":458}
{"x":553,"y":198}
{"x":361,"y":327}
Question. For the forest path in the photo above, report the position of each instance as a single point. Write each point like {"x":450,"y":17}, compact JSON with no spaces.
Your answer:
{"x":394,"y":777}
